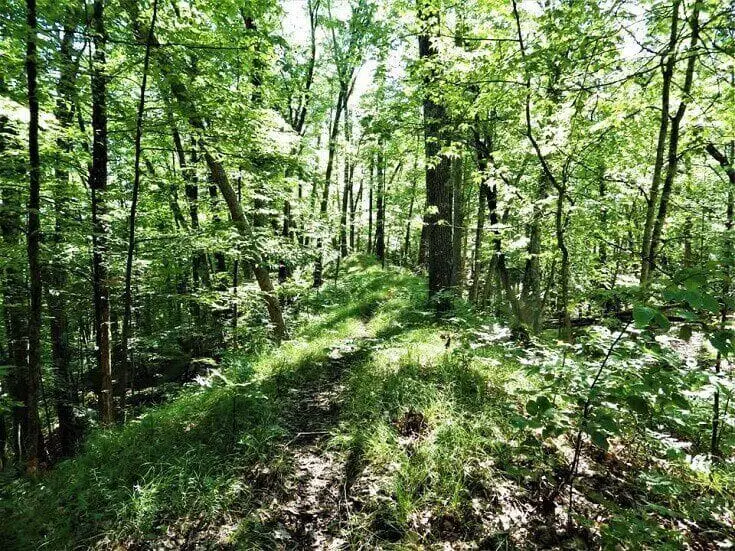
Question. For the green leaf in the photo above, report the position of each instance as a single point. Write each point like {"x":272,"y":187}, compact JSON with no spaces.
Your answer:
{"x":643,"y":315}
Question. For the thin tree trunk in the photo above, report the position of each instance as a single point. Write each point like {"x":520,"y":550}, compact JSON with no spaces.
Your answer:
{"x":407,"y":240}
{"x":668,"y":61}
{"x":380,"y":211}
{"x":727,"y":254}
{"x":457,"y":223}
{"x":370,"y":207}
{"x":477,"y":250}
{"x":673,"y":154}
{"x":347,"y":187}
{"x":128,"y":295}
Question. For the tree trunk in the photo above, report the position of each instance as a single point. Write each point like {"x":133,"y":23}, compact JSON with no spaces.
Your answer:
{"x":219,"y":176}
{"x":332,"y":149}
{"x":407,"y":240}
{"x":128,"y":295}
{"x":347,"y":188}
{"x":370,"y":207}
{"x":98,"y":185}
{"x":457,"y":223}
{"x":380,"y":210}
{"x":438,"y":181}
{"x":668,"y":61}
{"x":673,"y":153}
{"x":477,"y":250}
{"x":57,"y":273}
{"x":33,"y":436}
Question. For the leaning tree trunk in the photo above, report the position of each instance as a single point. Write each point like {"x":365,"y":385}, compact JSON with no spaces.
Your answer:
{"x":217,"y":175}
{"x":98,"y":185}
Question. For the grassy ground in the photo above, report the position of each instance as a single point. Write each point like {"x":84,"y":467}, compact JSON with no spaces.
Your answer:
{"x":374,"y":427}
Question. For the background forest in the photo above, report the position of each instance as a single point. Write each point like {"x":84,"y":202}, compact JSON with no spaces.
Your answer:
{"x":342,"y":273}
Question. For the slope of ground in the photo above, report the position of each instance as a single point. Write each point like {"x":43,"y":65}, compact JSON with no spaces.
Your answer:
{"x":372,"y":428}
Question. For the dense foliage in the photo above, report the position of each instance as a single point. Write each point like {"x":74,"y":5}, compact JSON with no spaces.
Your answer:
{"x":498,"y":233}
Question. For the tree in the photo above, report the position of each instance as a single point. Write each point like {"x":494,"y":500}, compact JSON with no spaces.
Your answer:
{"x":438,"y":183}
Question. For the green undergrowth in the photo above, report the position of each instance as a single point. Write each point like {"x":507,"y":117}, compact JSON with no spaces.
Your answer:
{"x":187,"y":461}
{"x":443,"y":429}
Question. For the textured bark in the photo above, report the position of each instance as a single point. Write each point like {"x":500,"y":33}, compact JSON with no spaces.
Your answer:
{"x":33,"y":437}
{"x":64,"y":397}
{"x":438,"y":181}
{"x":98,"y":185}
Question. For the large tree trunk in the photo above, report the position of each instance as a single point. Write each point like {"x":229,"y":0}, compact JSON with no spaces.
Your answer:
{"x":98,"y":185}
{"x":438,"y":181}
{"x":128,"y":293}
{"x":33,"y":437}
{"x":57,"y":273}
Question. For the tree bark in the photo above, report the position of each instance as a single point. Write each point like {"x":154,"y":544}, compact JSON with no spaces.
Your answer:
{"x":33,"y":436}
{"x":668,"y":61}
{"x":673,"y":153}
{"x":332,"y":149}
{"x":457,"y":223}
{"x":98,"y":185}
{"x":57,"y":273}
{"x":128,"y":294}
{"x":438,"y":181}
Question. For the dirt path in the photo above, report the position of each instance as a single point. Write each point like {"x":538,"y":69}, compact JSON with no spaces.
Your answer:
{"x":315,"y":508}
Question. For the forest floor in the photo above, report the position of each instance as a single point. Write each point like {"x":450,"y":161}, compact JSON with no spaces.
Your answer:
{"x":374,"y":427}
